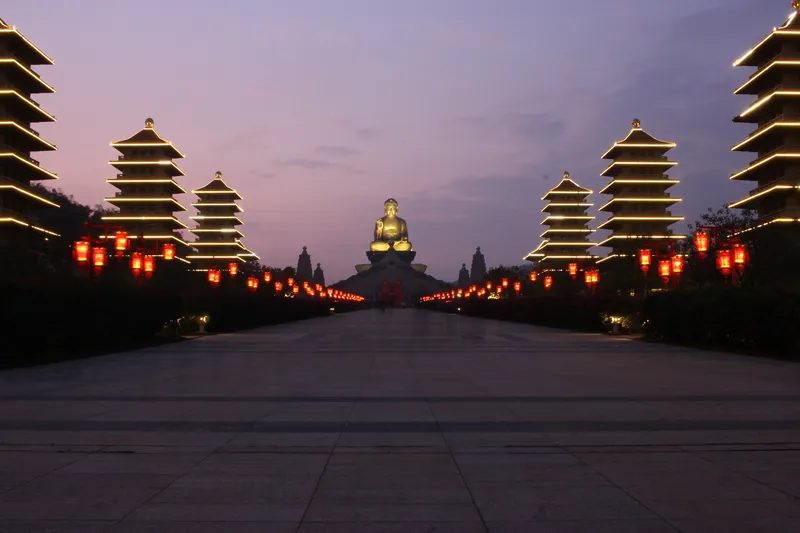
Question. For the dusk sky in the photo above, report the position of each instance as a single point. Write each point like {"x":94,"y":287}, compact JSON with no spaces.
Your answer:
{"x":465,"y":111}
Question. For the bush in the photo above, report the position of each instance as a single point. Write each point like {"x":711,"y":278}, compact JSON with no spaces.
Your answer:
{"x":761,"y":320}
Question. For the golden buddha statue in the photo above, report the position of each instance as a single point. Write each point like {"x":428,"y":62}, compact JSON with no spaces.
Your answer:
{"x":391,"y":231}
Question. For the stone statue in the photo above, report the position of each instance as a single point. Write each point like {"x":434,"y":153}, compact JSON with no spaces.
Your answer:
{"x":391,"y":231}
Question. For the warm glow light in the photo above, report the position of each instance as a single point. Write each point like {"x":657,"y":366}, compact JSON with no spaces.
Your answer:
{"x":30,"y":103}
{"x":267,"y":277}
{"x":233,"y":269}
{"x":739,"y":254}
{"x":761,"y":101}
{"x":669,"y":182}
{"x":166,"y":163}
{"x":622,"y":144}
{"x":548,"y":282}
{"x":30,"y":194}
{"x":169,"y":251}
{"x":764,"y":131}
{"x":278,"y":286}
{"x":645,"y":256}
{"x":121,"y":241}
{"x":775,"y":31}
{"x":664,"y":269}
{"x":290,"y":282}
{"x":762,"y":193}
{"x":136,"y":262}
{"x":765,"y":161}
{"x":81,"y":249}
{"x":573,"y":270}
{"x":171,"y":219}
{"x":658,"y":163}
{"x":14,"y":156}
{"x":505,"y":282}
{"x":164,"y":144}
{"x":615,"y":219}
{"x":641,"y":237}
{"x":252,"y":283}
{"x":665,"y":199}
{"x":533,"y":275}
{"x":27,"y":132}
{"x":701,"y":241}
{"x":677,"y":265}
{"x":15,"y":31}
{"x":149,"y":264}
{"x":99,"y":256}
{"x":144,"y":181}
{"x":724,"y":262}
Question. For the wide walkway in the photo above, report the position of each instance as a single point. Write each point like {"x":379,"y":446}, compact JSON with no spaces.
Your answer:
{"x":402,"y":422}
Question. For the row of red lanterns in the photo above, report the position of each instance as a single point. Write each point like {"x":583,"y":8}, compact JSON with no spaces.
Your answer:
{"x":84,"y":253}
{"x":215,"y":277}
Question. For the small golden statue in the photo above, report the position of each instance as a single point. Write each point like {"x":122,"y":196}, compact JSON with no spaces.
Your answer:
{"x":391,"y":231}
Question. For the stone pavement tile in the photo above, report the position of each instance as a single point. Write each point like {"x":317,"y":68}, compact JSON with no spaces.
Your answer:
{"x":201,"y":488}
{"x":391,"y":439}
{"x":516,"y":439}
{"x":392,"y":527}
{"x":535,"y":468}
{"x":414,"y":494}
{"x":584,"y":526}
{"x":364,"y":411}
{"x":273,"y":440}
{"x":53,"y":526}
{"x":726,"y":525}
{"x":435,"y":464}
{"x":307,"y":412}
{"x":134,"y":463}
{"x":132,"y":526}
{"x":109,"y":438}
{"x":344,"y":511}
{"x":473,"y":411}
{"x":36,"y":462}
{"x":262,"y":464}
{"x":218,"y":512}
{"x":145,"y":411}
{"x":80,"y":496}
{"x":53,"y":409}
{"x":709,"y":508}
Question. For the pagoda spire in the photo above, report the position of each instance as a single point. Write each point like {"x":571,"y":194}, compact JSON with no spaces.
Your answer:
{"x":639,"y":204}
{"x":565,"y":240}
{"x":20,"y":206}
{"x":478,"y":270}
{"x":304,"y":272}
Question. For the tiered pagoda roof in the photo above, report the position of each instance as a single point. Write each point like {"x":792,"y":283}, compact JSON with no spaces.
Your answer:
{"x":776,"y":138}
{"x":19,"y":204}
{"x":565,"y":240}
{"x":146,"y":183}
{"x":640,"y":201}
{"x":219,"y":242}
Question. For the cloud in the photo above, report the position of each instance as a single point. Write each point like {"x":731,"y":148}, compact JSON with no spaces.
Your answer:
{"x":520,"y":126}
{"x":337,"y":151}
{"x":253,"y":140}
{"x":368,"y":134}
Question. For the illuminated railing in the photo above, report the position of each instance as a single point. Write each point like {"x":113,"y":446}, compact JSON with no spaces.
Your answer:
{"x":766,"y":155}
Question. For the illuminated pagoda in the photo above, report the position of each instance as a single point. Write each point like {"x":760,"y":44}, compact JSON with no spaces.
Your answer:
{"x":18,"y":202}
{"x":146,"y":183}
{"x":775,"y":114}
{"x":640,"y":202}
{"x":566,"y":239}
{"x":219,"y":242}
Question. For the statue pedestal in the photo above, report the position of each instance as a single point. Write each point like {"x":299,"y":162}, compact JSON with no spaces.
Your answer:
{"x":405,"y":257}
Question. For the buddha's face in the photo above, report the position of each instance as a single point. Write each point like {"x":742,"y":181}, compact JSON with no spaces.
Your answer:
{"x":391,"y":210}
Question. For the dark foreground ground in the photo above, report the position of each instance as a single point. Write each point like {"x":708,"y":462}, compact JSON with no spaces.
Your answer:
{"x":402,"y":421}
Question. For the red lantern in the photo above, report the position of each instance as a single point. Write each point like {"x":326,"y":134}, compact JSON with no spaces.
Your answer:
{"x":517,"y":286}
{"x":489,"y":286}
{"x":99,"y":257}
{"x":267,"y":277}
{"x":252,"y":283}
{"x":169,"y":252}
{"x":677,"y":265}
{"x":533,"y":275}
{"x":664,"y":268}
{"x":278,"y":287}
{"x":81,"y":251}
{"x":233,"y":269}
{"x":136,"y":263}
{"x":724,"y":262}
{"x":149,"y":265}
{"x":587,"y":277}
{"x":330,"y":293}
{"x":595,"y":277}
{"x":295,"y":289}
{"x":290,"y":282}
{"x":548,"y":282}
{"x":505,"y":282}
{"x":214,"y":277}
{"x":701,"y":242}
{"x":573,"y":270}
{"x":740,"y":257}
{"x":121,"y":242}
{"x":645,"y":256}
{"x":499,"y":290}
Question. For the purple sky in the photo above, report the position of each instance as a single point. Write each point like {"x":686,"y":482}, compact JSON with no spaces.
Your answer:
{"x":465,"y":111}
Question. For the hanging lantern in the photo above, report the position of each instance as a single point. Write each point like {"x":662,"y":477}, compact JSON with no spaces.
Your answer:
{"x":233,"y":269}
{"x":81,"y":251}
{"x":290,"y":282}
{"x":136,"y":263}
{"x":645,"y":256}
{"x":212,"y":276}
{"x":573,"y":270}
{"x":330,"y":293}
{"x":724,"y":262}
{"x":533,"y":275}
{"x":517,"y":286}
{"x":149,"y":265}
{"x":252,"y":283}
{"x":295,"y":289}
{"x":505,"y":282}
{"x":595,"y":277}
{"x":499,"y":290}
{"x":701,"y":243}
{"x":587,"y":277}
{"x":169,"y":252}
{"x":548,"y":282}
{"x":677,"y":265}
{"x":121,"y":242}
{"x":267,"y":277}
{"x":489,"y":286}
{"x":664,"y":270}
{"x":98,"y":257}
{"x":278,"y":287}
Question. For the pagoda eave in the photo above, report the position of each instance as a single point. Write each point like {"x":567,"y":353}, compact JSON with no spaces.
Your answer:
{"x":757,"y":196}
{"x":174,"y":222}
{"x":26,"y":168}
{"x":616,"y":167}
{"x":621,"y":203}
{"x":122,"y":200}
{"x":30,"y":81}
{"x":171,"y":168}
{"x":768,"y":46}
{"x":769,"y":165}
{"x":24,"y":48}
{"x":616,"y":150}
{"x":616,"y":185}
{"x":170,"y":150}
{"x":615,"y":221}
{"x":22,"y":224}
{"x":766,"y":137}
{"x":24,"y":108}
{"x":10,"y":188}
{"x":121,"y":183}
{"x":626,"y":238}
{"x":23,"y":138}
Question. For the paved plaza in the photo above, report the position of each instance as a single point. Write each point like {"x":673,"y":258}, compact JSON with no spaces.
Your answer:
{"x":402,"y":421}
